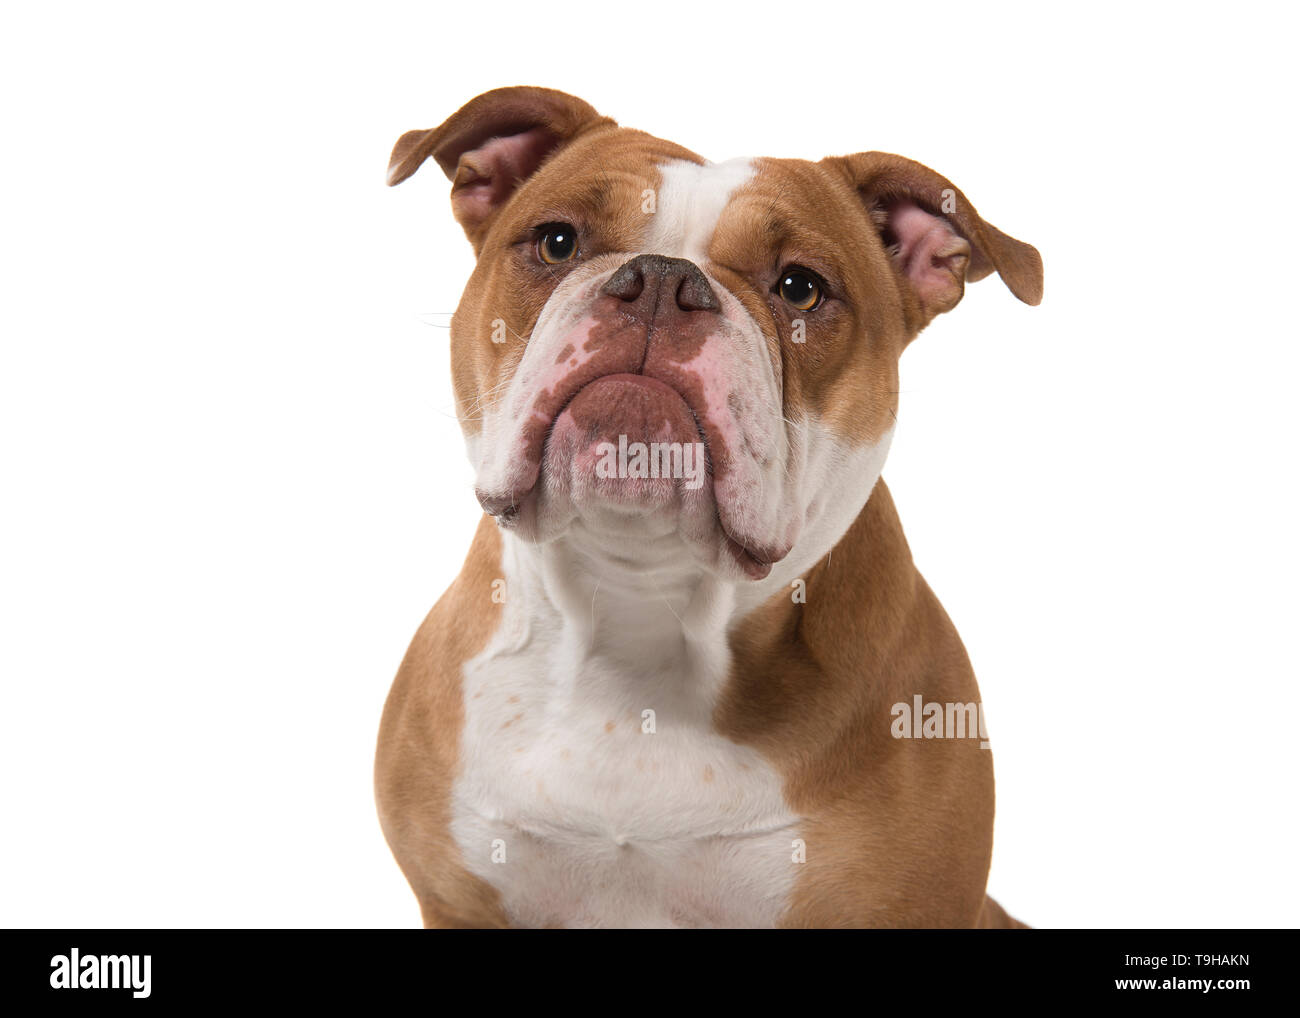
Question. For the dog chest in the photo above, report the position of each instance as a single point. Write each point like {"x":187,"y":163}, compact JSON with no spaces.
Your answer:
{"x":589,"y":795}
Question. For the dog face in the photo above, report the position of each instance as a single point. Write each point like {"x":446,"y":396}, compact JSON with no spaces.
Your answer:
{"x":655,"y":345}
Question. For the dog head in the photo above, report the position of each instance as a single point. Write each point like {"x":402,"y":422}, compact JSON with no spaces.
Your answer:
{"x":654,"y":344}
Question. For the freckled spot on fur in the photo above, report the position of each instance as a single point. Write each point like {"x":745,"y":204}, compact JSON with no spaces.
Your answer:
{"x":609,"y":726}
{"x":708,"y":772}
{"x":477,"y":695}
{"x":564,"y":754}
{"x":566,"y":353}
{"x":517,"y":716}
{"x":508,"y":723}
{"x":513,"y":699}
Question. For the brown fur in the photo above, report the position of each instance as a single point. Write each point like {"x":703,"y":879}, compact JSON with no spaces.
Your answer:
{"x":419,"y":745}
{"x":899,"y":832}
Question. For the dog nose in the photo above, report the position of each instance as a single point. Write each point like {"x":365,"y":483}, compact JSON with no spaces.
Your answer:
{"x":651,"y":278}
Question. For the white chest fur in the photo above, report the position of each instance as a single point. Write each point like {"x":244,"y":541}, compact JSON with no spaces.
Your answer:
{"x":593,"y":790}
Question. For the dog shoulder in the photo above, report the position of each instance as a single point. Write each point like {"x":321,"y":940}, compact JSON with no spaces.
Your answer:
{"x":420,"y":743}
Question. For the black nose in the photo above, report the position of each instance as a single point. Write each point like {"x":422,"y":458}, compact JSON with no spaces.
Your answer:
{"x":657,"y":277}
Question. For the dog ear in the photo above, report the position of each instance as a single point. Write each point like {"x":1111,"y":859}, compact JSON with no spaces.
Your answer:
{"x":934,"y":235}
{"x":491,"y":145}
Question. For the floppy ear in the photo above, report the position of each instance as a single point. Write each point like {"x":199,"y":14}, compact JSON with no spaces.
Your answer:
{"x":934,"y":235}
{"x":491,"y":145}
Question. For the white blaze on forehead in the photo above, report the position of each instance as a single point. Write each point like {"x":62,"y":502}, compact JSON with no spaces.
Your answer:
{"x":689,"y":203}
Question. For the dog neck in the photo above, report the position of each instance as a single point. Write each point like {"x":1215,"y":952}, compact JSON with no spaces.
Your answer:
{"x":637,"y":601}
{"x":625,"y":598}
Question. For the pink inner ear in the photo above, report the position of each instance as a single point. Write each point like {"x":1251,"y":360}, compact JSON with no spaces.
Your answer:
{"x":930,"y":253}
{"x":488,"y":175}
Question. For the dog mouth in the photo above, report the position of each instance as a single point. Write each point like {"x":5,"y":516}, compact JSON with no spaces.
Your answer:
{"x":656,"y":390}
{"x":619,"y":408}
{"x":605,"y":416}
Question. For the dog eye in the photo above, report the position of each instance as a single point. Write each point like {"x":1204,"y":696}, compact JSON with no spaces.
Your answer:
{"x":800,"y":289}
{"x":558,"y":242}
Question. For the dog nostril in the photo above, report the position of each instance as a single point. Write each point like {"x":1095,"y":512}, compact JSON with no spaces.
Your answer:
{"x":695,"y":293}
{"x":625,"y":284}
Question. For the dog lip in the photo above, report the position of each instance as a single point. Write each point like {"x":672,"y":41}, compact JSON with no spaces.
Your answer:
{"x":646,"y":381}
{"x":756,"y":562}
{"x":507,"y":509}
{"x":754,"y":567}
{"x":504,"y":508}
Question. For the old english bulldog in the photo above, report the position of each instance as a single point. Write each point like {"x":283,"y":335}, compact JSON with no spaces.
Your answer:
{"x":664,"y":689}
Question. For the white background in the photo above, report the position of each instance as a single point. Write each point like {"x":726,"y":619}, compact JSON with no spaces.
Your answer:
{"x":233,"y":484}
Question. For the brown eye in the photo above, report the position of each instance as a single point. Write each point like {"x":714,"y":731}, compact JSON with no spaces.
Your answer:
{"x":800,"y":289}
{"x":558,"y":243}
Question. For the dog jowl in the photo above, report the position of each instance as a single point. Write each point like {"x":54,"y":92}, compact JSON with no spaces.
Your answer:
{"x":660,"y":691}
